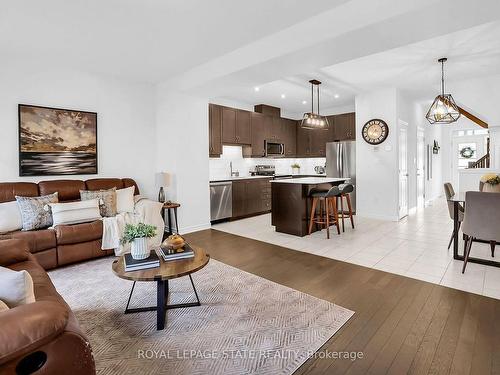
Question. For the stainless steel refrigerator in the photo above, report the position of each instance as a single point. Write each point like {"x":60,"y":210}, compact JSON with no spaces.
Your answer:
{"x":341,"y":162}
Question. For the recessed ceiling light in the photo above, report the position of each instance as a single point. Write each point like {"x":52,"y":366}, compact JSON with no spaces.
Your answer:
{"x":283,"y":96}
{"x":336,"y":96}
{"x":304,"y":101}
{"x":256,"y":88}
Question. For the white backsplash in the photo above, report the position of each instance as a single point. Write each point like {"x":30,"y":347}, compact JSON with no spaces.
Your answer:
{"x":219,"y":167}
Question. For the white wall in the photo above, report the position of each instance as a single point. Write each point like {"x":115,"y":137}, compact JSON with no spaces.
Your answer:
{"x":377,"y":166}
{"x":182,"y":150}
{"x":125,"y":119}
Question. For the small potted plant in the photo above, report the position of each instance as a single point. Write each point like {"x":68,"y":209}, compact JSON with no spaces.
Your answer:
{"x":137,"y":236}
{"x":295,"y":168}
{"x":491,"y":183}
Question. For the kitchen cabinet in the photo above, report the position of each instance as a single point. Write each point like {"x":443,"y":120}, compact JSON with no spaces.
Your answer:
{"x":250,"y":197}
{"x":215,"y":130}
{"x":304,"y":137}
{"x":235,"y":126}
{"x":259,"y":134}
{"x":319,"y":139}
{"x":290,"y":137}
{"x":345,"y":127}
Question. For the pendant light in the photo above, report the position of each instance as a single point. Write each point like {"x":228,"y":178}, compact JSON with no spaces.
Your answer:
{"x":313,"y":120}
{"x":444,"y":109}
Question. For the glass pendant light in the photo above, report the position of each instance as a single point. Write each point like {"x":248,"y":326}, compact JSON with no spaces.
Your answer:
{"x":444,"y":109}
{"x":313,"y":120}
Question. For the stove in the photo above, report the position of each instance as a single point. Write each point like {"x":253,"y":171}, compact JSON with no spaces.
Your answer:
{"x":265,"y":170}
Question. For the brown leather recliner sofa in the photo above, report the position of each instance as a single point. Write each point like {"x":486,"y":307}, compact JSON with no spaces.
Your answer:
{"x":42,"y":337}
{"x":65,"y":243}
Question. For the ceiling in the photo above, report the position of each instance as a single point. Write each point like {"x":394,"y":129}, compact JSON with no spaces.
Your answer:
{"x":143,"y":40}
{"x":471,"y":53}
{"x":227,"y":48}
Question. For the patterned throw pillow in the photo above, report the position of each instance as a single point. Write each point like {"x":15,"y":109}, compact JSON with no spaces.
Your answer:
{"x":107,"y":200}
{"x":35,"y":211}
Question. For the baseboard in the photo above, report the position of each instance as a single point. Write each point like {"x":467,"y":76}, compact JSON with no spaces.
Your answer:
{"x":194,"y":228}
{"x":378,"y":217}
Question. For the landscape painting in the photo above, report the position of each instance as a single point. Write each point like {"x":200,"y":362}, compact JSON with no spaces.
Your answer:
{"x":56,"y":141}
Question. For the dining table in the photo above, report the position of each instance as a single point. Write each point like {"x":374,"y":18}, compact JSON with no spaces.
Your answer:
{"x":459,"y":199}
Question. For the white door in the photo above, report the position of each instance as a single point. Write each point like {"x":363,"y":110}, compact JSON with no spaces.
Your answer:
{"x":420,"y":168}
{"x":403,"y":171}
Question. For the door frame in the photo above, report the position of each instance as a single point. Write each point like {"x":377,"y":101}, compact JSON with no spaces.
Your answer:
{"x":403,"y":125}
{"x":420,"y":202}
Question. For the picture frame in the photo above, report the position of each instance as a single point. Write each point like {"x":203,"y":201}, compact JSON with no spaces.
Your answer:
{"x":56,"y":141}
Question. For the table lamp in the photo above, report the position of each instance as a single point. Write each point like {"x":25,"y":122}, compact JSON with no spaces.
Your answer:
{"x":162,"y":180}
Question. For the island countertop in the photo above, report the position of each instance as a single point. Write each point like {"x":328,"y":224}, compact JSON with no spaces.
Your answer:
{"x":311,"y":180}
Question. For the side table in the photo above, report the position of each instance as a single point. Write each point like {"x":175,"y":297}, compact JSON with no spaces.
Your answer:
{"x":168,"y":207}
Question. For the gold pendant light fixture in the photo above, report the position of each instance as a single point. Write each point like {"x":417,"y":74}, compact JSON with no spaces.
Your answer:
{"x":444,"y":109}
{"x":313,"y":120}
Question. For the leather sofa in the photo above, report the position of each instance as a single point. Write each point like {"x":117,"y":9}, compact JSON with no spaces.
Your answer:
{"x":41,"y":337}
{"x":64,"y":244}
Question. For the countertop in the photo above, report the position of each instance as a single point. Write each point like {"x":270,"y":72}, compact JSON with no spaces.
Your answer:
{"x":310,"y":180}
{"x":268,"y":177}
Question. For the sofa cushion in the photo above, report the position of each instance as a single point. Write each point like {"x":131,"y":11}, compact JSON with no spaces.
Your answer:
{"x":75,"y":212}
{"x":37,"y":240}
{"x":9,"y":190}
{"x":33,"y":211}
{"x":69,"y":190}
{"x":16,"y":287}
{"x":107,"y":200}
{"x":10,"y":217}
{"x":104,"y":183}
{"x":78,"y":233}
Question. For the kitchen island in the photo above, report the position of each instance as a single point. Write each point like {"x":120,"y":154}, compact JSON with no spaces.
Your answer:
{"x":291,"y":205}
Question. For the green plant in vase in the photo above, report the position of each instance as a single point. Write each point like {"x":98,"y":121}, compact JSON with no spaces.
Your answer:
{"x":137,"y":235}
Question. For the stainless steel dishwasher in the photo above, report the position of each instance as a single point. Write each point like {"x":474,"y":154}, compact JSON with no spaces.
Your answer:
{"x":221,"y":200}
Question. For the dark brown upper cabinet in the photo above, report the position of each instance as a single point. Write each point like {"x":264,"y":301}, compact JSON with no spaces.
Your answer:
{"x":259,"y":134}
{"x":304,"y":141}
{"x":215,"y":130}
{"x":344,"y":127}
{"x":290,"y":137}
{"x":235,"y":126}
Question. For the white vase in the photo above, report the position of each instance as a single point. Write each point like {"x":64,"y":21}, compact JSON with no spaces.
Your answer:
{"x":139,"y":249}
{"x":295,"y":171}
{"x":489,"y":188}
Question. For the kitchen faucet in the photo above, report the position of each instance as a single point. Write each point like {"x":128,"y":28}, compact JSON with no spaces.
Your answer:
{"x":235,"y":173}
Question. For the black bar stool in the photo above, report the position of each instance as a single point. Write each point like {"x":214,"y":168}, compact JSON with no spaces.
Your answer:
{"x":345,"y":190}
{"x":328,"y":200}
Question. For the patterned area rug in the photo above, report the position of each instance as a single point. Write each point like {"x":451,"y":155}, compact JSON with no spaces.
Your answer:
{"x":245,"y":325}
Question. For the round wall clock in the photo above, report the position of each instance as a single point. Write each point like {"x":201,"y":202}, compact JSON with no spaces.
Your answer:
{"x":375,"y":131}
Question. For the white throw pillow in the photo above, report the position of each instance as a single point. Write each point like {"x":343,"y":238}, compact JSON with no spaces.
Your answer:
{"x":16,"y":287}
{"x":3,"y":306}
{"x":125,"y":200}
{"x":75,"y":212}
{"x":10,"y":217}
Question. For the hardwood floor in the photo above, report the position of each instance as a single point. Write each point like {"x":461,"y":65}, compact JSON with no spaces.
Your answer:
{"x":401,"y":325}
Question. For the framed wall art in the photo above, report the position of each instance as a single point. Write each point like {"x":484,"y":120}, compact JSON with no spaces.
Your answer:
{"x":54,"y":141}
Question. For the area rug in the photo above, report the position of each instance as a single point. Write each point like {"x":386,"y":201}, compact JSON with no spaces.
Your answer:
{"x":245,"y":325}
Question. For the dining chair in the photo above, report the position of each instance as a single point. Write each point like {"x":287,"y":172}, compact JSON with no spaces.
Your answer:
{"x":481,"y":220}
{"x":449,"y":192}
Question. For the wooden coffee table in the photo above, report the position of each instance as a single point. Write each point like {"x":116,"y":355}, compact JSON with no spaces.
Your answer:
{"x":166,"y":271}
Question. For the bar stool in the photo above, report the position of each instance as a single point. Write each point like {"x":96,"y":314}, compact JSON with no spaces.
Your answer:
{"x":328,"y":199}
{"x":345,"y":190}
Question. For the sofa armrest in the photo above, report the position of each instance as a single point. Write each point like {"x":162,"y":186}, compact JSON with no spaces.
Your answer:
{"x":27,"y":327}
{"x":13,"y":251}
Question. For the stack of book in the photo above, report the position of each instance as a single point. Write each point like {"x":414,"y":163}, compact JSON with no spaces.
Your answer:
{"x":132,"y":264}
{"x":183,"y":253}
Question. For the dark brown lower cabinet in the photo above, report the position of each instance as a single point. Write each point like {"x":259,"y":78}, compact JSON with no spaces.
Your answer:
{"x":250,"y":197}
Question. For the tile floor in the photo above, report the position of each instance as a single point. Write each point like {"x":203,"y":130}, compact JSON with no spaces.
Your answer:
{"x":415,"y":247}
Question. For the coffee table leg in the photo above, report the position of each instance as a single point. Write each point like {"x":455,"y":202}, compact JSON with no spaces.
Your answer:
{"x":161,"y":296}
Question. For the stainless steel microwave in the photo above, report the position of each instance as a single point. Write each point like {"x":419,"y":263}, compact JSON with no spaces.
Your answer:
{"x":275,"y":148}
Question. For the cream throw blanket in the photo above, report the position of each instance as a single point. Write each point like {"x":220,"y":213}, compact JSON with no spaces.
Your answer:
{"x":145,"y":211}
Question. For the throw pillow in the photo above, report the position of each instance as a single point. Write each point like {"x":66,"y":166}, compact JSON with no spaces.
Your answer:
{"x":16,"y":287}
{"x":35,"y":211}
{"x":10,"y":217}
{"x":75,"y":212}
{"x":3,"y":306}
{"x":125,"y":200}
{"x":107,"y":200}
